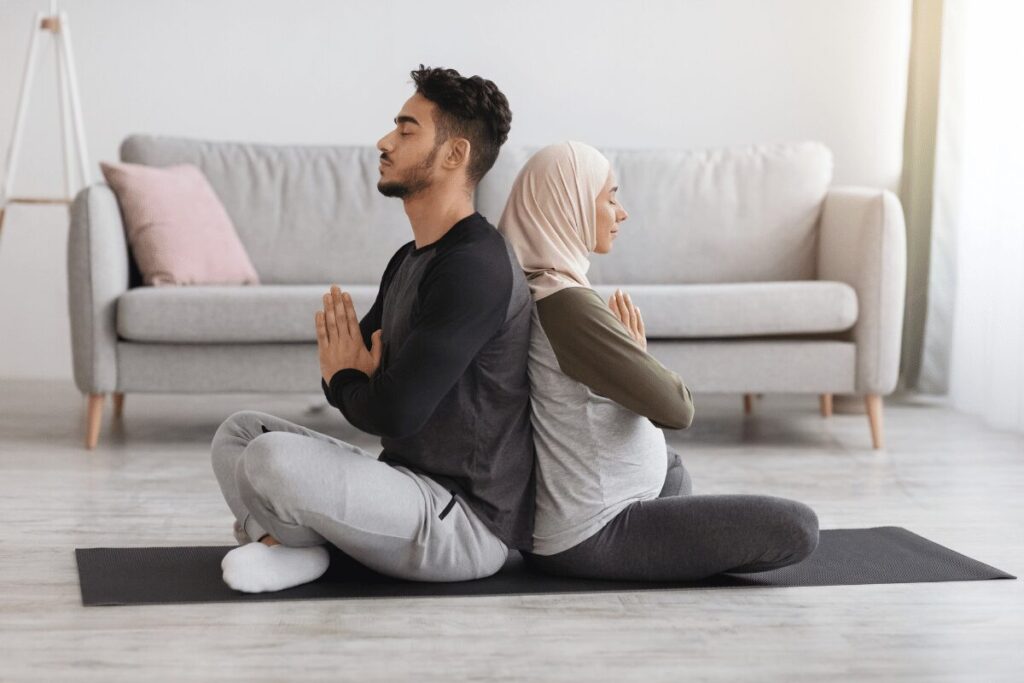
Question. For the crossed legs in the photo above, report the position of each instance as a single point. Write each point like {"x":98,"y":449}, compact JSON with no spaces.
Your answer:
{"x":306,"y":489}
{"x":684,"y":537}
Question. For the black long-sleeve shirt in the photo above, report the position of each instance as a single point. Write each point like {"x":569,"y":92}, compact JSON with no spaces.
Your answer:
{"x":451,"y":398}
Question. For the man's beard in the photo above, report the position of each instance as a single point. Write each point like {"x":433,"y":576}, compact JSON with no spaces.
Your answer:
{"x":416,"y":180}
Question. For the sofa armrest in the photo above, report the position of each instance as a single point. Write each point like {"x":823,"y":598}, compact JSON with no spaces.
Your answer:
{"x":98,"y":272}
{"x":862,"y":242}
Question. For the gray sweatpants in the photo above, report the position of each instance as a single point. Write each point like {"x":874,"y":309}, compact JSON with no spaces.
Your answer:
{"x":679,"y":536}
{"x":306,"y":488}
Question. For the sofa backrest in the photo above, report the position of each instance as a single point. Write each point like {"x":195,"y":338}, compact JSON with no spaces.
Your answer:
{"x":728,"y":214}
{"x":310,"y":214}
{"x":306,"y":214}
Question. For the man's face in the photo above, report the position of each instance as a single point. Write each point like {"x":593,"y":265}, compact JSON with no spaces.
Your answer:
{"x":408,"y":152}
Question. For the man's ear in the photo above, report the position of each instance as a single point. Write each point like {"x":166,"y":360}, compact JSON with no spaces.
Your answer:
{"x":458,"y":153}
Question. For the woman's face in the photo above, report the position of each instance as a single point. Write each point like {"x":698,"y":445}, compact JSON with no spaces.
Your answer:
{"x":609,"y":214}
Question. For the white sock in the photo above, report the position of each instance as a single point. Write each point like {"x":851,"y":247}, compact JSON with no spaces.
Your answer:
{"x":256,"y":567}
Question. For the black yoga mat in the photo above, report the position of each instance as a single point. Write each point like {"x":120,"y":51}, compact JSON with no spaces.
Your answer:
{"x":888,"y":554}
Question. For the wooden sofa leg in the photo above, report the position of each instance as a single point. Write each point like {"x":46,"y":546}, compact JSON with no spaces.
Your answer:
{"x":873,"y":403}
{"x":826,"y":405}
{"x":748,"y":404}
{"x":118,"y":403}
{"x":93,"y":420}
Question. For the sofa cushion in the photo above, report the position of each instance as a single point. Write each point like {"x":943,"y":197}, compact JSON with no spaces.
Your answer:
{"x":744,"y":309}
{"x":176,"y":226}
{"x":225,"y":314}
{"x":729,"y":214}
{"x":284,"y":313}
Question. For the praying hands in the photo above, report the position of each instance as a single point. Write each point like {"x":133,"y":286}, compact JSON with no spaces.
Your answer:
{"x":339,"y":340}
{"x":629,"y":315}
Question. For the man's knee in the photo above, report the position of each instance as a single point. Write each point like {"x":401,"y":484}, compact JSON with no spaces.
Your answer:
{"x":224,"y":444}
{"x":241,"y":419}
{"x":236,"y":424}
{"x":270,"y":462}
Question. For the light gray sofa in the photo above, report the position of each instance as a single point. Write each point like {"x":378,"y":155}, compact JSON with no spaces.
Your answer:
{"x":753,"y":273}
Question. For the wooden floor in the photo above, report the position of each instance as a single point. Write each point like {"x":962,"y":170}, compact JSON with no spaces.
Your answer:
{"x":943,"y":475}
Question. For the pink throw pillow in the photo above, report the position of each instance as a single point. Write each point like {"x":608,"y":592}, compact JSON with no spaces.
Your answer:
{"x":177,"y":227}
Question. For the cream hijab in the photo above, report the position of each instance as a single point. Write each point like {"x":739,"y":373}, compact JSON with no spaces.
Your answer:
{"x":550,"y":219}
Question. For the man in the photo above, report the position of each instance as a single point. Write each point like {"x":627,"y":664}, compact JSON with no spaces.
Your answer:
{"x":436,"y":368}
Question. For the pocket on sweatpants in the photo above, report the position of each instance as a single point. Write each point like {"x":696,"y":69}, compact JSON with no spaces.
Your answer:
{"x":448,"y":507}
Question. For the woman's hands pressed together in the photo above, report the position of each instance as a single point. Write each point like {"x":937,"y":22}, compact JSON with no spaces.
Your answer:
{"x":623,"y":308}
{"x":339,"y":340}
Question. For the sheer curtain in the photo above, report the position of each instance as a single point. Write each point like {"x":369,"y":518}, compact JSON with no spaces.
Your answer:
{"x":974,"y":336}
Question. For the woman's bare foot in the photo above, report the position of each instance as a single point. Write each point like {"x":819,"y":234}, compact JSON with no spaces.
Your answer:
{"x":267,"y":539}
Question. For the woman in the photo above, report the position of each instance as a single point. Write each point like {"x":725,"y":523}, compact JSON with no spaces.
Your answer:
{"x":608,"y":504}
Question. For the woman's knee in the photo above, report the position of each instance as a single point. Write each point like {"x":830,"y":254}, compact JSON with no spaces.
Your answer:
{"x":803,"y":529}
{"x":677,"y":478}
{"x":686,"y":484}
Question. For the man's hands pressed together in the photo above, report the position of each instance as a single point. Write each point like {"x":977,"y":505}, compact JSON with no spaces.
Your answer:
{"x":339,"y":340}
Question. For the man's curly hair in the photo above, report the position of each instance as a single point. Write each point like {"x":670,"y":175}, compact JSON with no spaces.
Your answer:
{"x":471,"y":108}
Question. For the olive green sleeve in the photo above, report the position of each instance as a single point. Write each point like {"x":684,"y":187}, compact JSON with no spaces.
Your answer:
{"x":593,"y":347}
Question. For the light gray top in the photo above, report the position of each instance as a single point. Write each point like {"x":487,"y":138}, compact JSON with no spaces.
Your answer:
{"x":597,"y":402}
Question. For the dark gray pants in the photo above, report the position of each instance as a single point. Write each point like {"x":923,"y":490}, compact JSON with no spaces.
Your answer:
{"x":679,"y":536}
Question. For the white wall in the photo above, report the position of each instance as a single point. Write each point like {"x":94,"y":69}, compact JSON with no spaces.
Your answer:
{"x":646,"y":74}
